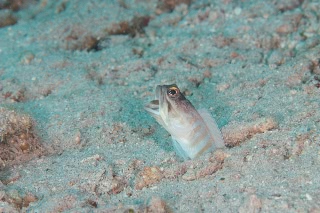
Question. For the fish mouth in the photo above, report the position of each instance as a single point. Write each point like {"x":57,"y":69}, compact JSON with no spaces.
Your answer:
{"x":153,"y":106}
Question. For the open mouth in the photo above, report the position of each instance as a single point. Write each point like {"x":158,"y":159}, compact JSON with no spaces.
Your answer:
{"x":153,"y":106}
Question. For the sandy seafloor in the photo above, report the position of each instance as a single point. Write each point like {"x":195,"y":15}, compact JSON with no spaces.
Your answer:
{"x":253,"y":64}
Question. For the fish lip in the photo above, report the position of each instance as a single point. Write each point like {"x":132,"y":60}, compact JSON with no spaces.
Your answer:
{"x":154,"y":105}
{"x":158,"y":92}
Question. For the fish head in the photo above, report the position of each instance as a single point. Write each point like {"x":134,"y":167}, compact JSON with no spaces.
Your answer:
{"x":169,"y":105}
{"x":193,"y":132}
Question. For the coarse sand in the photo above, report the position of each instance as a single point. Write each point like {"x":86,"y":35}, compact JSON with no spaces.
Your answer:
{"x":75,"y":75}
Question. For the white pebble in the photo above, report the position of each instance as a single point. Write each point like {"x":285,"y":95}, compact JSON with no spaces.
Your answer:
{"x":237,"y":11}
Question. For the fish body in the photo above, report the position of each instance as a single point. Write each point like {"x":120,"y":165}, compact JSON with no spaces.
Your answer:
{"x":193,"y":131}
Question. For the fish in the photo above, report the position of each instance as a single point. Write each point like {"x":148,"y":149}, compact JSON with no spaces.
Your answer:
{"x":193,"y":132}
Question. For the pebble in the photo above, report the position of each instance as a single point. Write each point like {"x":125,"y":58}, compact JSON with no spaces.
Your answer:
{"x":27,"y":58}
{"x":189,"y":175}
{"x":237,"y":11}
{"x":308,"y":197}
{"x":276,"y":57}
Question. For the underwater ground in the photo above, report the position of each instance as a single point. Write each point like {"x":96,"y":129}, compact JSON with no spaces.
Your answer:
{"x":76,"y":74}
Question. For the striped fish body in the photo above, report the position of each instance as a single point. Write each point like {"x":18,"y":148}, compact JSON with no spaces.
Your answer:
{"x":193,"y":131}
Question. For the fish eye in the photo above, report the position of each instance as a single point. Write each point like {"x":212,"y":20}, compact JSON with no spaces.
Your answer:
{"x":173,"y":91}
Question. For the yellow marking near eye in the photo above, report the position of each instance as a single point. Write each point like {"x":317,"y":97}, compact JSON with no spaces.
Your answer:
{"x":173,"y":88}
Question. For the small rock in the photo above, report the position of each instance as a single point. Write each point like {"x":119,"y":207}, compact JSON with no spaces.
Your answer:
{"x":189,"y":175}
{"x":285,"y":29}
{"x":222,"y":87}
{"x":237,"y":11}
{"x":308,"y":197}
{"x":158,"y":205}
{"x":276,"y":57}
{"x":7,"y":19}
{"x":27,"y":58}
{"x":148,"y":176}
{"x":252,"y":205}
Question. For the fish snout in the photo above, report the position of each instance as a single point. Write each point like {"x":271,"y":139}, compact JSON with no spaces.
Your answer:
{"x":158,"y":92}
